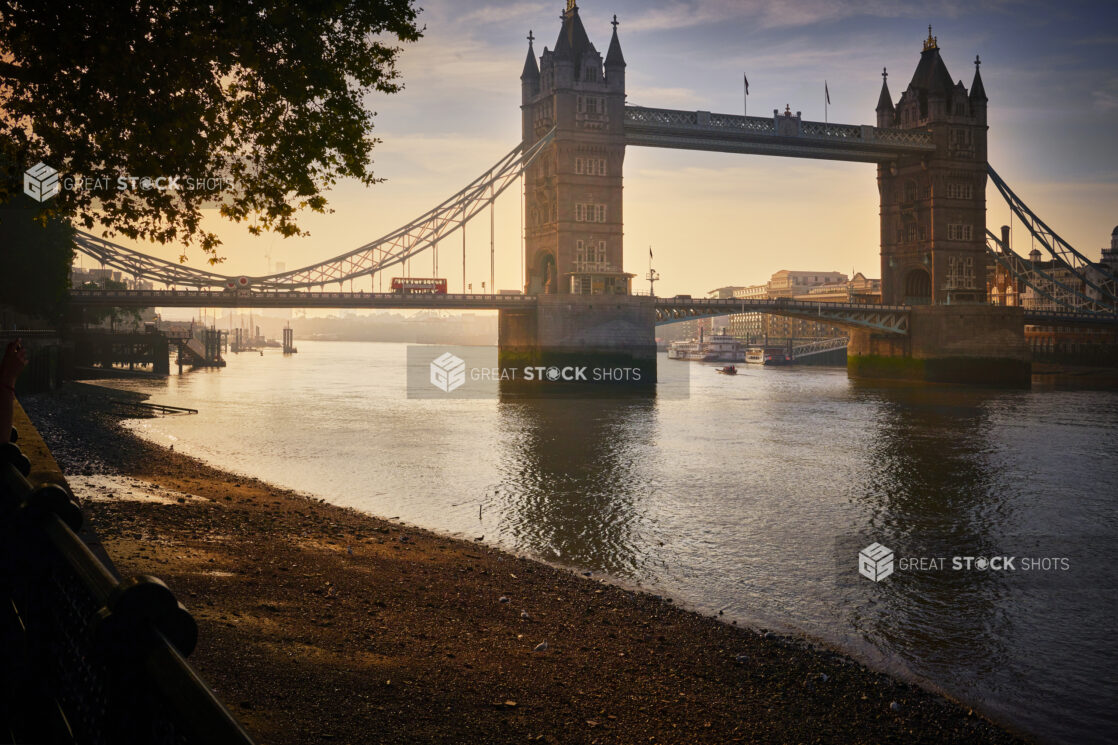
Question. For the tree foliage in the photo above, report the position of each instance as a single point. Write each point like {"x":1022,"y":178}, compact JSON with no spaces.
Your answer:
{"x":35,"y":256}
{"x":266,"y":93}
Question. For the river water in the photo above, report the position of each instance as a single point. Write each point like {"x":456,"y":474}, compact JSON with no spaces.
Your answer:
{"x":751,"y":496}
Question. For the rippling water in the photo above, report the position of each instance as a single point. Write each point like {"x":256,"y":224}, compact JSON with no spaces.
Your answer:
{"x":752,"y":496}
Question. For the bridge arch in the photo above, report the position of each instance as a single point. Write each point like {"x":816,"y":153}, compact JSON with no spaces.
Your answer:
{"x":543,"y":278}
{"x":918,"y":286}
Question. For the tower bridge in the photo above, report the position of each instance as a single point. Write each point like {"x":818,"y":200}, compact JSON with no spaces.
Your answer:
{"x":929,"y":149}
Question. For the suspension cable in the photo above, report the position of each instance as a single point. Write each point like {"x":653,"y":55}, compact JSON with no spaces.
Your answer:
{"x":373,"y":258}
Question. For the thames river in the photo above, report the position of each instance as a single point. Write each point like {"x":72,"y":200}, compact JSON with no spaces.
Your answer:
{"x":750,"y":497}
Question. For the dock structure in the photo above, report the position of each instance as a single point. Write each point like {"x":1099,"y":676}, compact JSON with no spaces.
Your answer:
{"x":289,"y":341}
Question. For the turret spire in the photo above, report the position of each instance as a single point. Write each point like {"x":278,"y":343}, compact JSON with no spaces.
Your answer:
{"x":931,"y":42}
{"x":613,"y":54}
{"x":885,"y":101}
{"x":531,"y":70}
{"x":977,"y":90}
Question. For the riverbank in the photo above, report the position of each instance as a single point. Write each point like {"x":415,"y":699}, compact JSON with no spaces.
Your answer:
{"x":322,"y":624}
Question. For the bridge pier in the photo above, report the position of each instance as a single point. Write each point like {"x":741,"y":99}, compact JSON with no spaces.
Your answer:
{"x":967,"y":344}
{"x":598,"y":332}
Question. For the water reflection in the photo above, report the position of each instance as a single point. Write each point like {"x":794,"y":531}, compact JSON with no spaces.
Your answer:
{"x":573,"y":479}
{"x":731,"y":498}
{"x":936,"y":487}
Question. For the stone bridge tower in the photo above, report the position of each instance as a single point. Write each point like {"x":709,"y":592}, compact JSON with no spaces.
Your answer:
{"x":573,"y":205}
{"x":933,"y":208}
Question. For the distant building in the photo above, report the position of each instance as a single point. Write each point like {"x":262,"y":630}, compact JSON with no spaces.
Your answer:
{"x":1053,"y":286}
{"x":830,"y":287}
{"x":724,"y":292}
{"x":860,"y":289}
{"x":79,"y":276}
{"x":749,"y":327}
{"x":1110,"y":255}
{"x":787,"y":283}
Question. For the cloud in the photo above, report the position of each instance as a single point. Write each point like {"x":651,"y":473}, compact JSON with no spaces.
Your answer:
{"x":663,"y":97}
{"x":763,"y":14}
{"x":506,"y":14}
{"x":452,"y":155}
{"x":1101,"y":40}
{"x":774,"y":14}
{"x":1106,"y":98}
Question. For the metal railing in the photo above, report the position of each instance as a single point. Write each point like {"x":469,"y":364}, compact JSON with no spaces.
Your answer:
{"x":91,"y":659}
{"x":820,"y":346}
{"x":643,"y":116}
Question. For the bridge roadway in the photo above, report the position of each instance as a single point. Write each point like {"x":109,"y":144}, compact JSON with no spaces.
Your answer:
{"x":294,"y":299}
{"x":771,"y":135}
{"x":891,"y":319}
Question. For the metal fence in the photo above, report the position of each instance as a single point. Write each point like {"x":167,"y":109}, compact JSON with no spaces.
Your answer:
{"x":47,"y":359}
{"x":90,"y":658}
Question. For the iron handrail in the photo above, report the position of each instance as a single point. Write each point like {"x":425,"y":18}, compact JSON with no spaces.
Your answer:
{"x":140,"y":627}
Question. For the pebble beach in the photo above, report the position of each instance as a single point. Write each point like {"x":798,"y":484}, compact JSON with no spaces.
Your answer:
{"x":323,"y":624}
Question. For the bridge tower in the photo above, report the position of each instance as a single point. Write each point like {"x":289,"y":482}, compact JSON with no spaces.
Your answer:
{"x":573,"y":219}
{"x":933,"y":208}
{"x":933,"y":243}
{"x":585,"y":315}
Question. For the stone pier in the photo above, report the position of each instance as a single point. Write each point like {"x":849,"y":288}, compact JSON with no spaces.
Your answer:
{"x":599,"y":331}
{"x":969,"y":344}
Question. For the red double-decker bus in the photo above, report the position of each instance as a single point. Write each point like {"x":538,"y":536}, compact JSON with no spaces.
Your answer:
{"x":418,"y":286}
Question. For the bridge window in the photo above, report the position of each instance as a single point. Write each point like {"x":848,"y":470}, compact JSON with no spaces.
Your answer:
{"x":960,"y":272}
{"x":958,"y":232}
{"x":595,"y":105}
{"x":590,"y":166}
{"x":959,"y":190}
{"x":910,"y":191}
{"x":590,"y":212}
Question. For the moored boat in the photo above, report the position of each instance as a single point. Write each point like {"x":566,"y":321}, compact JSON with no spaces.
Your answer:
{"x":768,"y":356}
{"x":719,"y":347}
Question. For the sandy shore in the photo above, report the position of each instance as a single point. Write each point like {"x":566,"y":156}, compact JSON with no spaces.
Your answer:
{"x":322,"y":624}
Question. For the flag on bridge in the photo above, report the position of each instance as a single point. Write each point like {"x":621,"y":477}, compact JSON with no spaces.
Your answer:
{"x":826,"y":92}
{"x":746,"y":78}
{"x":650,"y":253}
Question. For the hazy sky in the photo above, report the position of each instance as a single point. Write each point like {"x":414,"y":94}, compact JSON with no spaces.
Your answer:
{"x":1050,"y":71}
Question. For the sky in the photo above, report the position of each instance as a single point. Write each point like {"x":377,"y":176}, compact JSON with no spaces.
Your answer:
{"x":713,"y":219}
